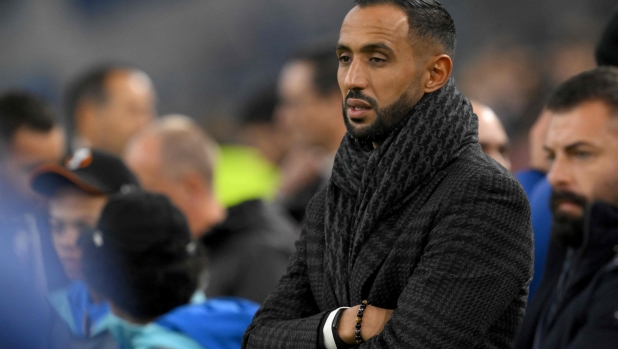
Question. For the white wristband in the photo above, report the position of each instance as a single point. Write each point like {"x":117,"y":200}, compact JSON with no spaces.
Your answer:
{"x":329,"y":340}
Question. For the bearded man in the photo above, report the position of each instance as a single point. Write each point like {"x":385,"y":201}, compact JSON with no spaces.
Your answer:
{"x":576,"y":305}
{"x":415,"y":221}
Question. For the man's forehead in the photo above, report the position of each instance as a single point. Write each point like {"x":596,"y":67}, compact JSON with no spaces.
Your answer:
{"x":295,"y":75}
{"x":386,"y":22}
{"x":586,"y":124}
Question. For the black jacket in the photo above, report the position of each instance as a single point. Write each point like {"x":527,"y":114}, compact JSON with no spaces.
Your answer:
{"x":586,"y":306}
{"x":249,"y":251}
{"x":425,"y":224}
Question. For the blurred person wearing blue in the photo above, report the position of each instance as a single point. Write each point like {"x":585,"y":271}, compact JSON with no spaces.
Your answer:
{"x":143,"y":260}
{"x":77,"y":192}
{"x":576,"y":305}
{"x":309,"y":107}
{"x":106,"y":105}
{"x":538,"y":190}
{"x":247,"y":245}
{"x":29,"y":136}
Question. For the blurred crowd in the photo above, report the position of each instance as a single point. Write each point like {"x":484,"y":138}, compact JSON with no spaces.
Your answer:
{"x":121,"y":226}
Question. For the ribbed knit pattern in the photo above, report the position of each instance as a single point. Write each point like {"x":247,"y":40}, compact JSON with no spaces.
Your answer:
{"x":425,"y":224}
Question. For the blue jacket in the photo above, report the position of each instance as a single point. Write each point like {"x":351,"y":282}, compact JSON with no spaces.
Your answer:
{"x":77,"y":322}
{"x":538,"y":189}
{"x":218,"y":323}
{"x":529,"y":179}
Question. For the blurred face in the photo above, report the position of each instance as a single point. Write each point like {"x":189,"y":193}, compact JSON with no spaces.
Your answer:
{"x":582,"y":146}
{"x":129,"y":107}
{"x":317,"y":117}
{"x":71,"y":212}
{"x":143,"y":158}
{"x":492,"y":137}
{"x":28,"y":150}
{"x":379,"y":70}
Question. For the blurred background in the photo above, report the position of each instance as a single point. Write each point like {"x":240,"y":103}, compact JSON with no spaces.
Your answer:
{"x":205,"y":57}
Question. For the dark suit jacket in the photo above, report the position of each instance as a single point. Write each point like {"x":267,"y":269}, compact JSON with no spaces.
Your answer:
{"x":427,"y":225}
{"x":248,"y":253}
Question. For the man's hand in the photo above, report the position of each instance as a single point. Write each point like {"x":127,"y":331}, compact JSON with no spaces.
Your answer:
{"x":374,"y":319}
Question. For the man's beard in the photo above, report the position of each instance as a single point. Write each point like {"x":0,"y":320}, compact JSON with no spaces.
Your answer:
{"x":567,"y":229}
{"x":386,"y":120}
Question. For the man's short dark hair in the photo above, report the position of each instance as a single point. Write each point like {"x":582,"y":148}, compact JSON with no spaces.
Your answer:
{"x":20,"y":109}
{"x":428,"y":20}
{"x":321,"y":55}
{"x":600,"y":84}
{"x":88,"y":86}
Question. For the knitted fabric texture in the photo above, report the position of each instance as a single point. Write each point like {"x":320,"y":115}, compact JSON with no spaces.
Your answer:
{"x":425,"y":224}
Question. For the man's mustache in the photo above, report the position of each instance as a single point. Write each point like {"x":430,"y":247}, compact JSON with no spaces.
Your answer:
{"x":358,"y":94}
{"x":559,"y":197}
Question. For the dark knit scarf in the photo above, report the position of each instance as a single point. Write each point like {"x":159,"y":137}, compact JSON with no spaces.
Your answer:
{"x":369,"y":184}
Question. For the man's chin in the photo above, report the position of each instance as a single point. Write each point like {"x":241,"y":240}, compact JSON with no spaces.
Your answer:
{"x":362,"y":133}
{"x":568,"y":229}
{"x":357,"y":128}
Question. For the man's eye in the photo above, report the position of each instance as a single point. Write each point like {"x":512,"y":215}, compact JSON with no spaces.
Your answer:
{"x":345,"y":59}
{"x":376,"y":60}
{"x":582,"y":155}
{"x":83,"y":227}
{"x":57,"y":228}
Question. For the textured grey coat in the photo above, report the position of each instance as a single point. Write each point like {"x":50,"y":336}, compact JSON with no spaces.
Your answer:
{"x":427,"y":225}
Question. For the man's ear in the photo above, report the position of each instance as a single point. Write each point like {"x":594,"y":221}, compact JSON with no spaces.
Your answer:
{"x":85,"y":119}
{"x":194,"y":185}
{"x":439,"y":69}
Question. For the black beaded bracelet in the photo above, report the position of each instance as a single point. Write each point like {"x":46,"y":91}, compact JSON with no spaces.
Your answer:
{"x":359,"y":321}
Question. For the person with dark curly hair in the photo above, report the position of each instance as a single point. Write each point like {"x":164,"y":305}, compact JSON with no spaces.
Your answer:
{"x":142,"y":259}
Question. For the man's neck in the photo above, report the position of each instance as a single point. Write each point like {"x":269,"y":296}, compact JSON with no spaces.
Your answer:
{"x":213,"y":213}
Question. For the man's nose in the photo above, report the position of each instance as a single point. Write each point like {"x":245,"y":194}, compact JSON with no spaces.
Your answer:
{"x":70,"y":236}
{"x":356,"y":77}
{"x":560,"y":176}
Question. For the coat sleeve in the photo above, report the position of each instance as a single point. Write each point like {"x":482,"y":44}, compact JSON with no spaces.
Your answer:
{"x":262,"y":267}
{"x":290,"y":317}
{"x":601,"y":326}
{"x":476,"y":264}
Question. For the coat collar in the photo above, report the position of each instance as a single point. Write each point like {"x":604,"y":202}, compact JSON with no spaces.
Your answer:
{"x":600,"y":242}
{"x":598,"y":250}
